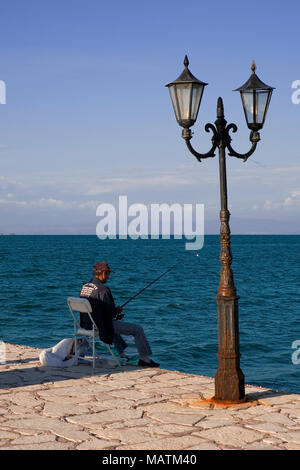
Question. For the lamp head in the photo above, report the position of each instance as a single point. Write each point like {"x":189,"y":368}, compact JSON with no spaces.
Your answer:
{"x":256,"y":96}
{"x":186,"y":94}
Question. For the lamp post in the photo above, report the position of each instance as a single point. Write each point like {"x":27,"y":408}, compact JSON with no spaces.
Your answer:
{"x":186,"y":94}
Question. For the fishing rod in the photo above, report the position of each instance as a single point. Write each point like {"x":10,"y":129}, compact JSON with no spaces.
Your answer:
{"x":150,"y":283}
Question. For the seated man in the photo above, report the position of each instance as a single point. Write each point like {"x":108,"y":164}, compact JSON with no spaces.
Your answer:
{"x":108,"y":317}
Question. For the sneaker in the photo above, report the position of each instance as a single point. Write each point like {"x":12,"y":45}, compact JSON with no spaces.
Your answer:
{"x":124,"y":356}
{"x":148,"y":364}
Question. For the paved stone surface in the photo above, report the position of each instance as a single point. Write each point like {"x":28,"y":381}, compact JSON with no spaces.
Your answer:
{"x":133,"y":408}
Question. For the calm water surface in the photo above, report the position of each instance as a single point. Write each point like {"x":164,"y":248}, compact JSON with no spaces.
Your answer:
{"x":178,"y":312}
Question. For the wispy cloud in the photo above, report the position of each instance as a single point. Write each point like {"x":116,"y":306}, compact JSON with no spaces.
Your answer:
{"x":289,"y":203}
{"x":253,"y":191}
{"x":110,"y":185}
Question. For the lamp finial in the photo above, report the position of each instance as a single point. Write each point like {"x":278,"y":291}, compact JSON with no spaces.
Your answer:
{"x":186,"y":61}
{"x":253,"y":66}
{"x":220,"y":108}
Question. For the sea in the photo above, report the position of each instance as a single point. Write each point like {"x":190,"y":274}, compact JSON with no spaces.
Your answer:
{"x":178,"y":312}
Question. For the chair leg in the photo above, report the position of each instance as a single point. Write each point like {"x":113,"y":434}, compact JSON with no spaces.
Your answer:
{"x":75,"y":345}
{"x":113,"y":355}
{"x":75,"y":339}
{"x":94,"y":349}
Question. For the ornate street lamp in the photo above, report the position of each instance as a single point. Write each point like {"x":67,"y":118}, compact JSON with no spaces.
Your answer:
{"x":256,"y":97}
{"x":186,"y":93}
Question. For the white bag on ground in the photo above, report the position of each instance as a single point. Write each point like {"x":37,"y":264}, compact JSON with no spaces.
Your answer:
{"x":58,"y":355}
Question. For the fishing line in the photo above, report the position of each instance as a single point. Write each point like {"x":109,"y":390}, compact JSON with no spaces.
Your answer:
{"x":154,"y":280}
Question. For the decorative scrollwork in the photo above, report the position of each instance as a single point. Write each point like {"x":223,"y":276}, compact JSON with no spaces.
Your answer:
{"x":254,"y":138}
{"x":211,"y":153}
{"x":231,"y":127}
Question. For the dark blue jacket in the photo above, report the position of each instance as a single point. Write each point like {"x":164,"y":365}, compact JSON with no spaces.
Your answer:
{"x":103,"y":306}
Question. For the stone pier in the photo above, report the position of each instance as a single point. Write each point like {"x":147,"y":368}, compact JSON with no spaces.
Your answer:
{"x":131,"y":408}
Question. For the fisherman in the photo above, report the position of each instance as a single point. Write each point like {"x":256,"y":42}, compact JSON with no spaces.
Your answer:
{"x":108,"y":317}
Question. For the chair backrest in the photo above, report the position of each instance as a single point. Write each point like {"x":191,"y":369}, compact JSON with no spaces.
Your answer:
{"x":79,"y":305}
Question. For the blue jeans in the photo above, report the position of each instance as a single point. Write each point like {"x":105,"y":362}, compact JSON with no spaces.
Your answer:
{"x":130,"y":329}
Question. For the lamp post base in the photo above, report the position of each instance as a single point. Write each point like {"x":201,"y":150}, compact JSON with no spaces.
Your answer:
{"x":229,"y":379}
{"x":229,"y":386}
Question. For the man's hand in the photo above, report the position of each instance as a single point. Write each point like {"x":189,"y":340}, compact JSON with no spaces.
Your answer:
{"x":119,"y":315}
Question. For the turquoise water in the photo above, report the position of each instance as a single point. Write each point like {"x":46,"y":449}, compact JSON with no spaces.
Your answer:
{"x":178,"y":312}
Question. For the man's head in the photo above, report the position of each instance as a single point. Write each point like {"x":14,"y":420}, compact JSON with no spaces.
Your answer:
{"x":101,"y":270}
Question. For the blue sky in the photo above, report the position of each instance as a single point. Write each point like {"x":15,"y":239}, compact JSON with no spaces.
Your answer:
{"x":87,"y":116}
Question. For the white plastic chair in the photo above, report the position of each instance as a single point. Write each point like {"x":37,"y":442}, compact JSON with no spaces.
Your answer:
{"x":81,"y":305}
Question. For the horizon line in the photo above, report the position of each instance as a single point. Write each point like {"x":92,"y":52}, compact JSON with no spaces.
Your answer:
{"x":144,"y":237}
